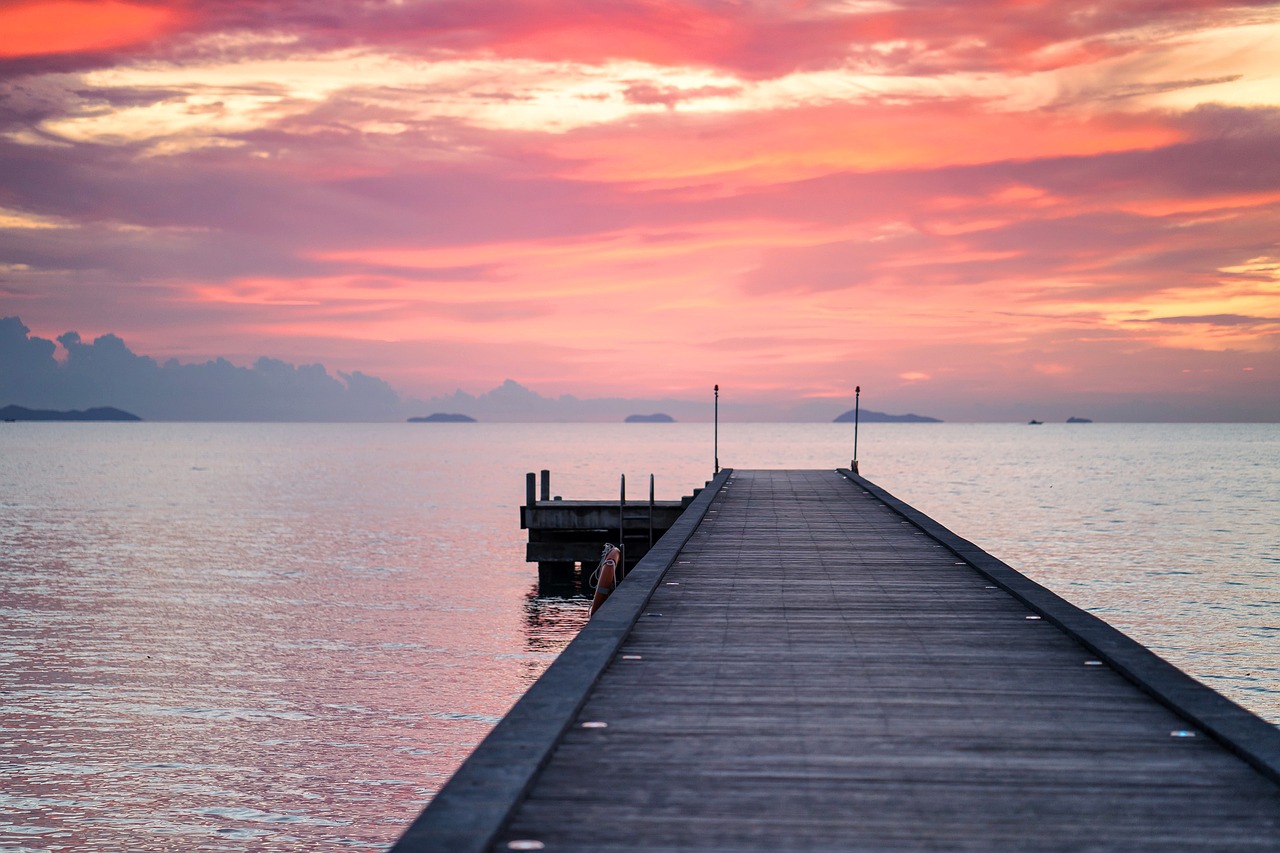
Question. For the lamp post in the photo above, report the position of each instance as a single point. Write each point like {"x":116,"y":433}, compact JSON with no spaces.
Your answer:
{"x":717,"y":428}
{"x":857,"y":393}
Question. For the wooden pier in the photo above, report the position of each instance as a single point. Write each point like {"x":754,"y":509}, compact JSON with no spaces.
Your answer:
{"x":805,"y":663}
{"x":566,"y":536}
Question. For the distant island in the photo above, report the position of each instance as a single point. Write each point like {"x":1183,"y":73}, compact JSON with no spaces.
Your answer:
{"x":868,"y":416}
{"x":101,"y":413}
{"x":443,"y":418}
{"x":656,"y":418}
{"x":1079,"y":421}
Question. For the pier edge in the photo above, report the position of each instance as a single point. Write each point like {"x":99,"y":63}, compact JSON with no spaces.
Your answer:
{"x":467,"y":814}
{"x":1239,"y":730}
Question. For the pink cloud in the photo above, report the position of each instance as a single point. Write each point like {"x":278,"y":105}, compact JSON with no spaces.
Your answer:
{"x":753,"y":39}
{"x":700,"y":214}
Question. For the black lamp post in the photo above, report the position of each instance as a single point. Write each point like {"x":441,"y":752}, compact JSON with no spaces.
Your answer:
{"x":857,"y":393}
{"x":717,"y":428}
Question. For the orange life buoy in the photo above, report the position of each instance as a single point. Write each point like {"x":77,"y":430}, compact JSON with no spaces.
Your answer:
{"x":607,"y":576}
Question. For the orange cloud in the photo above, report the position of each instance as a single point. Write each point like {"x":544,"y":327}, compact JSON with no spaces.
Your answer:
{"x":802,"y":143}
{"x":1207,"y":204}
{"x":666,"y":33}
{"x":69,"y":26}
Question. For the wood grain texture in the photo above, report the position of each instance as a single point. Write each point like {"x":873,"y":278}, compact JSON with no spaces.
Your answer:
{"x":816,"y":674}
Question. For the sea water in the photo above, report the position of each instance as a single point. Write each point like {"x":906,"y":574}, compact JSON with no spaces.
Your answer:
{"x":287,"y":636}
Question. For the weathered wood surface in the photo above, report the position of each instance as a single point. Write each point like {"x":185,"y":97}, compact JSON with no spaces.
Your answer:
{"x":815,"y":673}
{"x":573,"y":531}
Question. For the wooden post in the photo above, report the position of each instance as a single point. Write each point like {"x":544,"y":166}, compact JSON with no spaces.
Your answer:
{"x":546,"y":485}
{"x":622,"y":526}
{"x":530,"y":489}
{"x":651,"y":511}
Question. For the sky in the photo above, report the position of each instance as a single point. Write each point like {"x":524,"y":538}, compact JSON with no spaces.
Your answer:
{"x":989,"y":210}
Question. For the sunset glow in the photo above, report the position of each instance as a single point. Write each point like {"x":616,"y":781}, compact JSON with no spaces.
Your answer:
{"x":972,"y":211}
{"x":66,"y":26}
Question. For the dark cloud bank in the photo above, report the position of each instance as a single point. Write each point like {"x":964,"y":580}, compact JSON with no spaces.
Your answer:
{"x":107,"y":373}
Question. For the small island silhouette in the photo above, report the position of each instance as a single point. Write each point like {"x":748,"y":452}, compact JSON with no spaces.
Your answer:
{"x":870,"y":417}
{"x":99,"y":413}
{"x":656,"y":418}
{"x":443,"y":418}
{"x":1079,"y":420}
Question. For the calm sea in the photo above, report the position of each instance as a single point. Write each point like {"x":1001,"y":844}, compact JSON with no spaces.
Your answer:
{"x":287,"y":636}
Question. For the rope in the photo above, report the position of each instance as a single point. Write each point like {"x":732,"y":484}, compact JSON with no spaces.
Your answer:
{"x":604,"y":558}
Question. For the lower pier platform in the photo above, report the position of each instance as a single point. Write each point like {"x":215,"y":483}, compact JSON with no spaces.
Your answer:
{"x":566,"y":537}
{"x":805,"y":663}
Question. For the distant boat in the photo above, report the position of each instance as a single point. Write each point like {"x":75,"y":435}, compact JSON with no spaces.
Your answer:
{"x":1079,"y":421}
{"x":1034,"y":422}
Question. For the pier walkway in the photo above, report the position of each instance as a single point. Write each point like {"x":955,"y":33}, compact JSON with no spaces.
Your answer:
{"x":805,"y":663}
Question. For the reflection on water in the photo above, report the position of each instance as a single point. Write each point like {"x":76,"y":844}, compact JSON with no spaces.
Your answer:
{"x":235,"y":637}
{"x":553,"y":615}
{"x":287,"y":637}
{"x":554,"y":612}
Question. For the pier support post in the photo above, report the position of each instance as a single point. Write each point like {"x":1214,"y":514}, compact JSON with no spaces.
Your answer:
{"x":555,"y":577}
{"x":530,"y":489}
{"x":650,"y":510}
{"x":546,"y":485}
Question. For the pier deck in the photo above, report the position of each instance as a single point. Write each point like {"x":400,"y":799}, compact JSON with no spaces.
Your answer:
{"x":814,"y":666}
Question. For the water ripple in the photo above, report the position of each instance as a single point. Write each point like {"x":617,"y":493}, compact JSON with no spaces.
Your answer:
{"x":230,"y":637}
